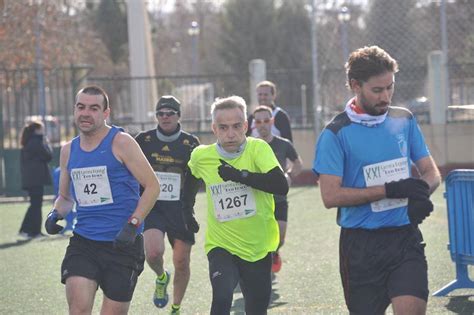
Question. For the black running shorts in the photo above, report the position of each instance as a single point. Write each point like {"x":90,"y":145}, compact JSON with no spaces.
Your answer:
{"x":115,"y":270}
{"x":167,"y":217}
{"x":378,"y":265}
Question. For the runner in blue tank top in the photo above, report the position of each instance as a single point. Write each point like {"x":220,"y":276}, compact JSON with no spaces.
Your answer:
{"x":105,"y":167}
{"x":364,"y":158}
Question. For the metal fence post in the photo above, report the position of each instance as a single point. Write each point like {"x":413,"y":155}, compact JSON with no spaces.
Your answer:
{"x":258,"y":73}
{"x":314,"y":63}
{"x":444,"y":48}
{"x":2,"y":149}
{"x":437,"y":87}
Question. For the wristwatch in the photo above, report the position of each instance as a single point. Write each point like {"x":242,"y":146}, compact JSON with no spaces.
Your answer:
{"x":134,"y":221}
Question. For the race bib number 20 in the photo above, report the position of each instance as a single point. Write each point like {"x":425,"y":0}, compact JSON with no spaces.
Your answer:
{"x":170,"y":186}
{"x":232,"y":201}
{"x":92,"y":186}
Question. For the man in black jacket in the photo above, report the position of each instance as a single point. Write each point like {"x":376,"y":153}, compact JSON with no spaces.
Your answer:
{"x":266,"y":95}
{"x":168,"y":148}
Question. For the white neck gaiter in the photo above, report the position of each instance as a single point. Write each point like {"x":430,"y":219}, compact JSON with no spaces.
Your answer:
{"x":363,"y":119}
{"x":229,"y":155}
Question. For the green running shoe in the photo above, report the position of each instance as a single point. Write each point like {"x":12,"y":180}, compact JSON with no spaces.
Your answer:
{"x":175,"y":311}
{"x":160,"y":298}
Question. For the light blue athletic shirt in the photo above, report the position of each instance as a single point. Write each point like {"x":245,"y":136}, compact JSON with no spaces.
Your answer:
{"x":345,"y":148}
{"x":101,"y":222}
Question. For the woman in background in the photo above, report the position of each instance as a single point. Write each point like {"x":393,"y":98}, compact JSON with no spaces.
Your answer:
{"x":35,"y":174}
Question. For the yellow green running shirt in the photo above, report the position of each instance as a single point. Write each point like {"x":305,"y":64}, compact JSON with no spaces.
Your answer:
{"x":240,"y":219}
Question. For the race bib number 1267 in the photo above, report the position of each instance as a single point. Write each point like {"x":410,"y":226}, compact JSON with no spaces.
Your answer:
{"x":232,"y":201}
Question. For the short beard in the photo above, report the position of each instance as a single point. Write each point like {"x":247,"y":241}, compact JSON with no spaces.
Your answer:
{"x":370,"y":110}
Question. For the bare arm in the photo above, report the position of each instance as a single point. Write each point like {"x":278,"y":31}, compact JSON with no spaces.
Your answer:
{"x":127,"y":150}
{"x":64,"y":203}
{"x":294,"y":169}
{"x":334,"y":195}
{"x":429,"y":172}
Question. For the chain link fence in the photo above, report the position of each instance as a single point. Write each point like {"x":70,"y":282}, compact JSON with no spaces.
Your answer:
{"x":23,"y":98}
{"x":409,"y":30}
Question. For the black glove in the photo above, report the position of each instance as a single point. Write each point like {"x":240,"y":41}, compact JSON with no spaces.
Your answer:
{"x":50,"y":224}
{"x":228,"y":172}
{"x":126,"y":236}
{"x":408,"y":188}
{"x":190,"y":221}
{"x":418,"y":210}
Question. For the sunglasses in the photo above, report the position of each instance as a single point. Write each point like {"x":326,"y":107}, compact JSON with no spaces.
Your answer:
{"x":264,"y":121}
{"x":167,"y":114}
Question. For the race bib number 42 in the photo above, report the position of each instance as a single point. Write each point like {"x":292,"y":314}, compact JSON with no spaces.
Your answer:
{"x":384,"y":172}
{"x":92,"y":186}
{"x":232,"y":201}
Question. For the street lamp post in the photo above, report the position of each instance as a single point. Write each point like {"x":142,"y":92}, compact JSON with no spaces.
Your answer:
{"x":344,"y":16}
{"x":39,"y":67}
{"x":175,"y":50}
{"x":193,"y":31}
{"x":314,"y":63}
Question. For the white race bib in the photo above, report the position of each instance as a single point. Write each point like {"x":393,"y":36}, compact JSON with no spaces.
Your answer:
{"x":384,"y":172}
{"x":92,"y":186}
{"x":232,"y":201}
{"x":170,"y":186}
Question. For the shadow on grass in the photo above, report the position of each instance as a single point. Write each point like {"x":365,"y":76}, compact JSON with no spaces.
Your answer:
{"x":238,"y":306}
{"x":461,"y":305}
{"x":275,"y":296}
{"x":14,"y":244}
{"x":33,"y":240}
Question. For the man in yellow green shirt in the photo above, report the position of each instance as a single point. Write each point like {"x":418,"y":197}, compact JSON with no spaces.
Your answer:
{"x":241,"y":175}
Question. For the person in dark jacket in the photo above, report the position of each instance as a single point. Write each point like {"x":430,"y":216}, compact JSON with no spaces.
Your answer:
{"x":35,"y":174}
{"x":266,"y":95}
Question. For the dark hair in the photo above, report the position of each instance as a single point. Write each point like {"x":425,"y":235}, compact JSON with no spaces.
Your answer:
{"x":367,"y":62}
{"x":28,"y":130}
{"x":95,"y":90}
{"x":263,"y":108}
{"x":269,"y":84}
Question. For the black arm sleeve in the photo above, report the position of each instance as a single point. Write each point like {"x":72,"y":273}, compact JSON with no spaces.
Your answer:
{"x":273,"y":182}
{"x":249,"y":129}
{"x":282,"y":123}
{"x":190,"y":189}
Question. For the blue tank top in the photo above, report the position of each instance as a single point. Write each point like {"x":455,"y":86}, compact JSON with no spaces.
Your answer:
{"x":105,"y":192}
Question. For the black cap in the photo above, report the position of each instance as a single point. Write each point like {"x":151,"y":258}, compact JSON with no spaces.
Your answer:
{"x":168,"y":101}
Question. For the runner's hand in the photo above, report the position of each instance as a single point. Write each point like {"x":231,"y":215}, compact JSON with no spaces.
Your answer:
{"x":228,"y":172}
{"x":408,"y":188}
{"x":126,"y":236}
{"x":190,"y":221}
{"x":50,"y":224}
{"x":418,"y":210}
